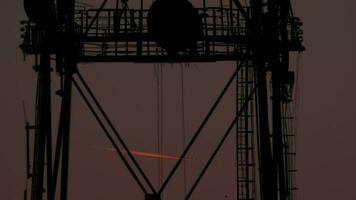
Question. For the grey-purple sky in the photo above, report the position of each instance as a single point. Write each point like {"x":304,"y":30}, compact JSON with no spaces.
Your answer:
{"x":326,"y":156}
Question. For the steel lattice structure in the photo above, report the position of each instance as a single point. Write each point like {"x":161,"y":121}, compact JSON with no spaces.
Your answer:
{"x":258,"y":36}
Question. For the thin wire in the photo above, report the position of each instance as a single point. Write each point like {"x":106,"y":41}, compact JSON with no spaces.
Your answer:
{"x":296,"y":113}
{"x":183,"y":130}
{"x":297,"y":91}
{"x":161,"y":126}
{"x":157,"y":76}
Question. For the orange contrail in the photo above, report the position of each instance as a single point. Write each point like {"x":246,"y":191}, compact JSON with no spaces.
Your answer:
{"x":146,"y":154}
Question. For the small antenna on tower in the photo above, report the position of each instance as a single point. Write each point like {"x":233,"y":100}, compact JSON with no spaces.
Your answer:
{"x":27,"y":129}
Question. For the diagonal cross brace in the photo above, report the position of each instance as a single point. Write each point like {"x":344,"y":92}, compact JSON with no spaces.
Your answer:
{"x":242,"y":10}
{"x":95,"y":17}
{"x":198,"y":132}
{"x":109,"y":136}
{"x":114,"y":130}
{"x":219,"y":146}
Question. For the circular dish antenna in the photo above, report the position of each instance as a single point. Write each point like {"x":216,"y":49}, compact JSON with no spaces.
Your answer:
{"x":175,"y":25}
{"x":42,"y":12}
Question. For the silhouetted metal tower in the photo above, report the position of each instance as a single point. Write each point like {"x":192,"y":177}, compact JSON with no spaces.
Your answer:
{"x":258,"y":35}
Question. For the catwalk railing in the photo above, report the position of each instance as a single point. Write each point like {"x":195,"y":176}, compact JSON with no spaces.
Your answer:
{"x":117,"y":35}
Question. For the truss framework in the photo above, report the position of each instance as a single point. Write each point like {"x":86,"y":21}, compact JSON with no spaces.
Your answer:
{"x":259,"y":41}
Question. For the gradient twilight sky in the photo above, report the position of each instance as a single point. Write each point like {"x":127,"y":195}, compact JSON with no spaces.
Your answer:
{"x":326,"y":109}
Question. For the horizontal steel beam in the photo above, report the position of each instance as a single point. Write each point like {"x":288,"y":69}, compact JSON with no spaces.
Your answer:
{"x":164,"y":58}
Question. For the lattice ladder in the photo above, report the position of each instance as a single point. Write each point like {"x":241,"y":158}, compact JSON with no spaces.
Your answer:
{"x":245,"y":137}
{"x":289,"y":146}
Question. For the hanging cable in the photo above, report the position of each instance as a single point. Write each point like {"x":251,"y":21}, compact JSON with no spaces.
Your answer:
{"x":183,"y":129}
{"x":297,"y":91}
{"x":158,"y":118}
{"x":161,"y":125}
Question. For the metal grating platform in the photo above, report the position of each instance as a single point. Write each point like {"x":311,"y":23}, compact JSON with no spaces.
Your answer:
{"x":121,"y":36}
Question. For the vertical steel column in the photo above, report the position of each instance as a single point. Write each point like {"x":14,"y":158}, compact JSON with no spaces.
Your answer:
{"x":278,"y":61}
{"x":69,"y":68}
{"x":272,"y":42}
{"x":66,"y":112}
{"x":267,"y":171}
{"x":284,"y":15}
{"x":277,"y":130}
{"x":42,"y":127}
{"x":63,"y":139}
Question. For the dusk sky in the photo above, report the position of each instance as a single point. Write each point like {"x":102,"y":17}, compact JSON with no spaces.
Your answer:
{"x":326,"y":154}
